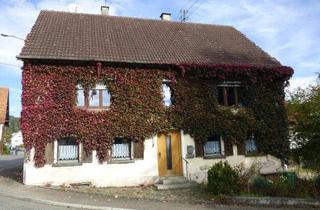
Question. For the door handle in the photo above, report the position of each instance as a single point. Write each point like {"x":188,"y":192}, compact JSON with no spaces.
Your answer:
{"x":159,"y":154}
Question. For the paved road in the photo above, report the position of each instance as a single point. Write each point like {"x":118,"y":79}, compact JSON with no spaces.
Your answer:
{"x":14,"y":204}
{"x":10,"y":161}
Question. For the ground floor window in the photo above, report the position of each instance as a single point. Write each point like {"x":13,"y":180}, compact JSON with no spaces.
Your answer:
{"x":122,"y":149}
{"x":68,"y":149}
{"x":251,"y":146}
{"x":213,"y":146}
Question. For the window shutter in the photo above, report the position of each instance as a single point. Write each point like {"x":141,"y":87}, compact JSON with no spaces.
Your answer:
{"x":241,"y":148}
{"x":228,"y":150}
{"x":86,"y":156}
{"x":138,"y":149}
{"x":49,"y":153}
{"x":199,"y":148}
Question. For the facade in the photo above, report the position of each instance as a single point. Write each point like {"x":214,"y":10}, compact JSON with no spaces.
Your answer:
{"x":118,"y":101}
{"x":16,"y":139}
{"x":4,"y":113}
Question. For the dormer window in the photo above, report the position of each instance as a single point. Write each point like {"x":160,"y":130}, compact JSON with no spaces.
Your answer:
{"x":97,"y":98}
{"x":167,"y":93}
{"x":229,"y":94}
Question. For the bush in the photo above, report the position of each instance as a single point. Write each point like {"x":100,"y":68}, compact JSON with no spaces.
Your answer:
{"x":222,"y":179}
{"x":317,"y":185}
{"x":6,"y":150}
{"x":260,"y":185}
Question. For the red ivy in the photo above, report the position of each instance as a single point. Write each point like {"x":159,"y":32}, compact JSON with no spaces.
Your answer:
{"x":137,"y":110}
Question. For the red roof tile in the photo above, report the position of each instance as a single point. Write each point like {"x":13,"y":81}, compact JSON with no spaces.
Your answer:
{"x":86,"y":37}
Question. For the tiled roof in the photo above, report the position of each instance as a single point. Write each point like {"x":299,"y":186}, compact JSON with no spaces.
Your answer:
{"x":4,"y":105}
{"x":87,"y":37}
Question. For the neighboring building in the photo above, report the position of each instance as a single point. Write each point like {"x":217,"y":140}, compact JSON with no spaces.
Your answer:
{"x":16,"y":139}
{"x":4,"y":113}
{"x":120,"y":101}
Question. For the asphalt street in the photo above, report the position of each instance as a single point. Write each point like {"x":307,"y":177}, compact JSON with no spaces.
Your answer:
{"x":10,"y":161}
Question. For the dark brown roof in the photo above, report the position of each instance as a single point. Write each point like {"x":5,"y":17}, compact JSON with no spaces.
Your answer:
{"x":87,"y":37}
{"x":4,"y":105}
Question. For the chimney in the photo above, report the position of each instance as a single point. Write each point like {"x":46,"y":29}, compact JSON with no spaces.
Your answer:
{"x":165,"y":16}
{"x":104,"y":10}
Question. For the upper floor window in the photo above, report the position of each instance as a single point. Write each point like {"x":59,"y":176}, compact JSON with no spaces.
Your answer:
{"x":213,"y":146}
{"x":97,"y":98}
{"x":167,"y":93}
{"x":251,"y":146}
{"x":229,"y":94}
{"x":122,"y":149}
{"x":68,"y":149}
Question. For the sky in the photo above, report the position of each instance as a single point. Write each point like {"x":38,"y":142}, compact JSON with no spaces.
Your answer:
{"x":288,"y":30}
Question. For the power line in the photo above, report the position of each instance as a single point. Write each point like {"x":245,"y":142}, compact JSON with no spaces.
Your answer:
{"x":185,"y":13}
{"x":9,"y":64}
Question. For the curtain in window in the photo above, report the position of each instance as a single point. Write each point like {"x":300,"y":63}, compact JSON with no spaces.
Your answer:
{"x":251,"y":145}
{"x":212,"y":147}
{"x":166,"y":90}
{"x":68,"y":152}
{"x":121,"y":151}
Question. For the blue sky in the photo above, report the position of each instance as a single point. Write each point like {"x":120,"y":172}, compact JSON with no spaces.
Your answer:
{"x":289,"y":30}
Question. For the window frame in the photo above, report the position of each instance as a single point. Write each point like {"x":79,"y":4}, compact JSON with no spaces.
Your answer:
{"x":58,"y":144}
{"x":221,"y":147}
{"x":128,"y":141}
{"x":251,"y":139}
{"x":168,"y":84}
{"x":225,"y":85}
{"x":86,"y":95}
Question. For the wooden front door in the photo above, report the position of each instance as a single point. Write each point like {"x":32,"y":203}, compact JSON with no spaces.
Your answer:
{"x":169,"y":154}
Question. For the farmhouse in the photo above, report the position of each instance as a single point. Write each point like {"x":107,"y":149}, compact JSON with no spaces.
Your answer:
{"x":119,"y":101}
{"x":4,"y":114}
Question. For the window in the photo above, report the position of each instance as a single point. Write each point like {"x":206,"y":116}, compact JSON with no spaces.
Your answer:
{"x":213,"y":146}
{"x":121,"y":149}
{"x":68,"y":149}
{"x":167,"y":93}
{"x":251,"y":146}
{"x":229,"y":94}
{"x":97,"y":98}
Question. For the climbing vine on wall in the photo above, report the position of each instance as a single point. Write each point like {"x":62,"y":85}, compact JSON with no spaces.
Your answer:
{"x":137,"y":110}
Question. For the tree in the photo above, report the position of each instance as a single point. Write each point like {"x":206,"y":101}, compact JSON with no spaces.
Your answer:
{"x":14,"y":126}
{"x":304,"y":117}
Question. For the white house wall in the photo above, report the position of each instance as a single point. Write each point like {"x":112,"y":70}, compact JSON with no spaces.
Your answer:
{"x":140,"y":172}
{"x":1,"y":132}
{"x":197,"y":168}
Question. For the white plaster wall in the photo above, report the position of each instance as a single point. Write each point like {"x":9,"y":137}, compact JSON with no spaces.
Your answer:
{"x":198,"y":167}
{"x":141,"y":172}
{"x":1,"y":132}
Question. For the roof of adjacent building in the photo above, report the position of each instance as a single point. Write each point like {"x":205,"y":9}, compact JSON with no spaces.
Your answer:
{"x":4,"y":105}
{"x":87,"y":37}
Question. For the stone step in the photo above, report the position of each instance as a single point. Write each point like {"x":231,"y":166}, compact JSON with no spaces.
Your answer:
{"x":175,"y":186}
{"x":174,"y":181}
{"x":171,"y":178}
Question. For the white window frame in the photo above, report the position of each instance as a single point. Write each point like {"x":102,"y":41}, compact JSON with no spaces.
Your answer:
{"x":100,"y":87}
{"x":56,"y":154}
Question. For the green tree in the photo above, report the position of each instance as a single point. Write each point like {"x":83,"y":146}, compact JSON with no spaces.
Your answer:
{"x":304,"y":115}
{"x":14,"y":126}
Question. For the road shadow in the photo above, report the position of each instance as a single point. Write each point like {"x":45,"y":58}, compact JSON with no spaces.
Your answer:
{"x":11,"y":166}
